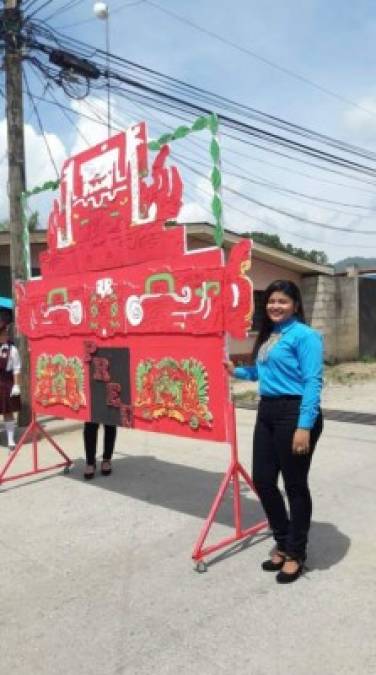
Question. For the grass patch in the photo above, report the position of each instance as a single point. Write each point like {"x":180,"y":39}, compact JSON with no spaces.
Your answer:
{"x":351,"y":373}
{"x":245,"y":396}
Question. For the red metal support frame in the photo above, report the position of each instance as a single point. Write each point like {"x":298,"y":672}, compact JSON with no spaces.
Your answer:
{"x":32,"y":432}
{"x":234,"y":471}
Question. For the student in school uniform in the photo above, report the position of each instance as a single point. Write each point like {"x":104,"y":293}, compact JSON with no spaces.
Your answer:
{"x":10,"y":392}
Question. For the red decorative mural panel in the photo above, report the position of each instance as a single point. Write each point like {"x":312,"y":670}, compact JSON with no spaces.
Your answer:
{"x":125,"y":325}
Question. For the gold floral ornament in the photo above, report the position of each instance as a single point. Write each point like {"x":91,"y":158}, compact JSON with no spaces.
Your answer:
{"x":174,"y":389}
{"x":60,"y":381}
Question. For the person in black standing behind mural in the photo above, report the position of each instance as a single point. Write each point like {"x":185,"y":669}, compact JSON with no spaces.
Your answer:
{"x":90,"y":444}
{"x":10,"y":368}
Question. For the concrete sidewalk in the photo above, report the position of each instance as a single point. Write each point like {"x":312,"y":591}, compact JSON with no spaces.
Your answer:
{"x":96,"y":578}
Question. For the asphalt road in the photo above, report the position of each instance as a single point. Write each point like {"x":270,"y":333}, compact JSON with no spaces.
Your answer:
{"x":96,"y":578}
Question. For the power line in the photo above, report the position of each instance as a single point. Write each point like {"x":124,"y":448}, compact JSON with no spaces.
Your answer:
{"x":256,"y":56}
{"x":196,"y":143}
{"x":296,"y":216}
{"x":29,"y":5}
{"x":64,"y":112}
{"x":114,"y":10}
{"x":69,"y":5}
{"x":41,"y":126}
{"x":39,"y":9}
{"x":280,"y":229}
{"x":323,"y":203}
{"x":283,"y":212}
{"x":145,"y":76}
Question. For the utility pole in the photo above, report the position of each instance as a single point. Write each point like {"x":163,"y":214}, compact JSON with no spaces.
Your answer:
{"x":12,"y":23}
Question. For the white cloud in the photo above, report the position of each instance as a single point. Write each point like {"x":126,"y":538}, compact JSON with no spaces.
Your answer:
{"x":38,"y":163}
{"x":192,"y":212}
{"x":94,"y":130}
{"x":361,"y":121}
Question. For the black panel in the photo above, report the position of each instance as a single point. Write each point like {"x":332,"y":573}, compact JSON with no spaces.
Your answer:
{"x":118,"y":369}
{"x":367,"y":317}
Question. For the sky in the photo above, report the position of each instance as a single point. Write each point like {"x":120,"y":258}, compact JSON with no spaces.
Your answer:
{"x":312,"y":63}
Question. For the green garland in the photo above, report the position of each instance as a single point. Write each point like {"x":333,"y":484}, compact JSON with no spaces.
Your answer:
{"x":49,"y":185}
{"x":211,"y":123}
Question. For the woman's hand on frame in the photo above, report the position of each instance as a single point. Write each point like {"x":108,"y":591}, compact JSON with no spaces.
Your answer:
{"x":230,"y":367}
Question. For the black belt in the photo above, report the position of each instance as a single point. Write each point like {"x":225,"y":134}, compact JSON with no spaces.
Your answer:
{"x":284,"y":397}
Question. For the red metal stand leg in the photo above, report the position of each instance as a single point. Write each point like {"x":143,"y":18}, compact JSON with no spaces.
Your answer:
{"x":55,"y":445}
{"x":232,"y":474}
{"x":212,"y":513}
{"x":31,"y":432}
{"x":35,"y":449}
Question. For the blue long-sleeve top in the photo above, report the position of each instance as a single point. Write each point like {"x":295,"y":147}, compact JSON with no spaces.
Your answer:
{"x":292,"y":366}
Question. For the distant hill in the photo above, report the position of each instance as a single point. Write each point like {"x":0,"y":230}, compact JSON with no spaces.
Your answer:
{"x":362,"y":263}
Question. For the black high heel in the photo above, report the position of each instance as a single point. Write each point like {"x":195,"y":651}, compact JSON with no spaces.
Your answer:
{"x":288,"y":577}
{"x":270,"y":566}
{"x":106,"y":470}
{"x":90,"y":475}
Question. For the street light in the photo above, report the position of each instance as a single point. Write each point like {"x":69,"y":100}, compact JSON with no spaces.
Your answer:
{"x":101,"y":11}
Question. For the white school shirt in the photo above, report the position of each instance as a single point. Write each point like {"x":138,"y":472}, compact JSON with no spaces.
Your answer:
{"x":14,"y":361}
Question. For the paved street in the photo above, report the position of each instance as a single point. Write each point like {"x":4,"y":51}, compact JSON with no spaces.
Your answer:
{"x":97,"y":578}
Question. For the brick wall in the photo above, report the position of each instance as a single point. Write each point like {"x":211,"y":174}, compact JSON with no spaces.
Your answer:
{"x":347,"y":318}
{"x":331,"y":306}
{"x":319,"y":299}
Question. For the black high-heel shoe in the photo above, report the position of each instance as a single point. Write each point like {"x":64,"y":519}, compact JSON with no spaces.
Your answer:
{"x":288,"y":577}
{"x":89,"y":475}
{"x":106,"y":467}
{"x":270,"y":566}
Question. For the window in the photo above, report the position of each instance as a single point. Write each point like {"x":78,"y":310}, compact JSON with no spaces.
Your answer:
{"x":258,"y":298}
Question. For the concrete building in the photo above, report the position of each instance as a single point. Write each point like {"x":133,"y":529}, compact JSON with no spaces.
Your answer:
{"x":341,"y":306}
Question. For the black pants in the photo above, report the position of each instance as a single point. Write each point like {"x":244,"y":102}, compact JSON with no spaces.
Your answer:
{"x":90,"y":441}
{"x":272,"y":454}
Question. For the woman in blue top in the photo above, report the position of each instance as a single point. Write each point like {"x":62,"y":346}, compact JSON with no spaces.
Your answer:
{"x":288,"y":361}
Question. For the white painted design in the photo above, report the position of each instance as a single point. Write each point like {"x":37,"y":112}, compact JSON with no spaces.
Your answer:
{"x":235,"y":294}
{"x":104,"y":287}
{"x":133,"y":306}
{"x":132,"y":142}
{"x":102,"y":179}
{"x":74,"y":309}
{"x":133,"y":310}
{"x":204,"y":307}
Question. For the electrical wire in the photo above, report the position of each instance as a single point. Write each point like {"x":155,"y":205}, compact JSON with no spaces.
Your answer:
{"x":41,"y":129}
{"x":282,"y":230}
{"x":39,"y":9}
{"x":114,"y":10}
{"x":288,"y":214}
{"x":189,"y":139}
{"x":144,"y":75}
{"x":70,"y":5}
{"x":64,"y":112}
{"x":258,"y":57}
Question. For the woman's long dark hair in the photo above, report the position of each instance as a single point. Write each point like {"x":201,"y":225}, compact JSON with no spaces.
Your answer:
{"x":292,"y":291}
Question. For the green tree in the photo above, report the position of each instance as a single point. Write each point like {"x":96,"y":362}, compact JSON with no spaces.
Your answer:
{"x":33,"y":223}
{"x":273,"y":240}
